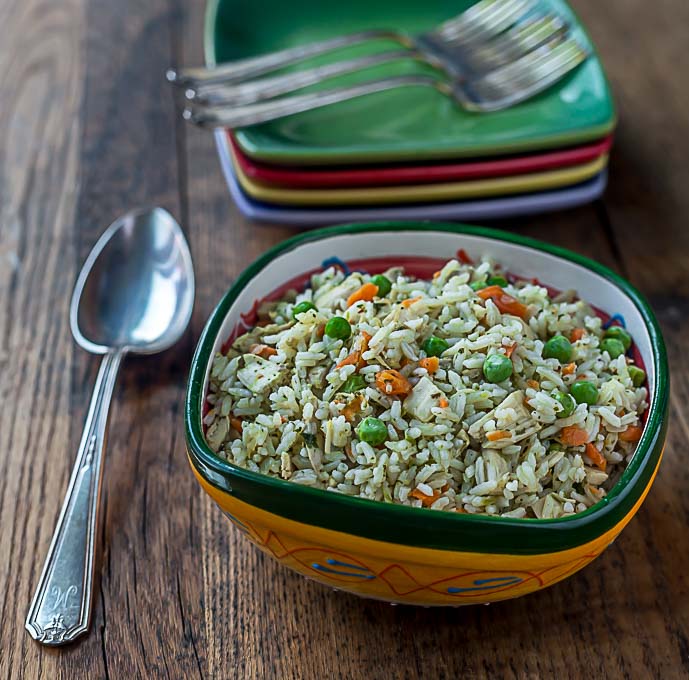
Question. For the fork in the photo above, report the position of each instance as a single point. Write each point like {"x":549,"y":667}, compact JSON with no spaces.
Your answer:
{"x":481,"y":21}
{"x":496,"y":90}
{"x":446,"y":55}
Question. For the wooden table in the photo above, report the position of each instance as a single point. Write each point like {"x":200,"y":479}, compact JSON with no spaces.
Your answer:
{"x":89,"y":129}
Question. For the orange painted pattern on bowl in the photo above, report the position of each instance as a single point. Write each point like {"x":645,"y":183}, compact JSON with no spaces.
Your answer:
{"x":406,"y":574}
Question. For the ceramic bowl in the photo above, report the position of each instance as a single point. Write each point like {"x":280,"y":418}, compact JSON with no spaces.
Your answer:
{"x":415,"y":555}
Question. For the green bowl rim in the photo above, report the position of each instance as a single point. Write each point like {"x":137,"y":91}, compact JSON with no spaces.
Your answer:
{"x":414,"y":526}
{"x":363,"y":155}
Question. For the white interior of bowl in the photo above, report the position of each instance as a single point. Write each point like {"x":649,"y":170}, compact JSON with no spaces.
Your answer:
{"x":517,"y":259}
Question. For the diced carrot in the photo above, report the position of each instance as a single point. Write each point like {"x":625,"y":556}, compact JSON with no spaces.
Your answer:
{"x":463,"y":257}
{"x":263,"y":350}
{"x":436,"y":274}
{"x":503,"y":301}
{"x":573,"y":436}
{"x":352,"y":408}
{"x":430,"y":364}
{"x":497,"y":435}
{"x":568,"y":369}
{"x":577,"y":334}
{"x":509,"y":350}
{"x":631,"y":434}
{"x":426,"y":501}
{"x":445,"y":487}
{"x":410,"y":301}
{"x":351,"y":359}
{"x":462,"y":510}
{"x":596,"y":456}
{"x":320,"y":331}
{"x":354,"y":357}
{"x":533,"y":384}
{"x":443,"y":403}
{"x":236,"y":424}
{"x":392,"y":383}
{"x":367,"y":292}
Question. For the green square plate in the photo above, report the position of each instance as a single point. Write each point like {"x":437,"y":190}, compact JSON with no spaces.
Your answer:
{"x":410,"y":123}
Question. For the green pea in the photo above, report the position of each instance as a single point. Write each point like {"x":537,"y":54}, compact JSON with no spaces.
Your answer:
{"x":558,"y":347}
{"x":384,"y":284}
{"x":497,"y":281}
{"x":585,"y":392}
{"x":478,"y":285}
{"x":555,"y":446}
{"x":621,"y":334}
{"x":568,"y":404}
{"x":434,"y":346}
{"x":353,"y":384}
{"x":338,"y":328}
{"x":302,"y":307}
{"x":638,"y":375}
{"x":497,"y":367}
{"x":372,"y":431}
{"x":613,"y":347}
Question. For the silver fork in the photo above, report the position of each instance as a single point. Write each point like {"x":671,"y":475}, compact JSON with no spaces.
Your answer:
{"x":481,"y":21}
{"x":454,"y":58}
{"x":499,"y":89}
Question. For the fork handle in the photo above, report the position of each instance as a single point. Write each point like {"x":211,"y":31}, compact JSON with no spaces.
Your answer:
{"x":240,"y":116}
{"x":61,"y":607}
{"x":242,"y":69}
{"x":254,"y":91}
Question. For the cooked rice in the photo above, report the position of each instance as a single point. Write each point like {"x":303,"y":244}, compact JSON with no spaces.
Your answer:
{"x":286,"y":417}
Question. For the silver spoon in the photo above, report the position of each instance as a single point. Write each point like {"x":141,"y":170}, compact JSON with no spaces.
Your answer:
{"x":135,"y":294}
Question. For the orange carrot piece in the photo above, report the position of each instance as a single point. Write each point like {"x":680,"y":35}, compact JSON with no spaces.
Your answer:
{"x":596,"y":456}
{"x":573,"y":436}
{"x":577,"y":334}
{"x":392,"y":383}
{"x":430,"y":364}
{"x":568,"y":369}
{"x":497,"y":435}
{"x":367,"y":292}
{"x":351,"y":359}
{"x":354,"y":357}
{"x":352,"y":408}
{"x":443,"y":403}
{"x":436,"y":274}
{"x":631,"y":434}
{"x":509,"y":350}
{"x":533,"y":384}
{"x":263,"y":350}
{"x":410,"y":301}
{"x":320,"y":331}
{"x":426,"y":501}
{"x":503,"y":301}
{"x":236,"y":424}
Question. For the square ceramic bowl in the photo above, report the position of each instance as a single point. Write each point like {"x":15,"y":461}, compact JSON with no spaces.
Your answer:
{"x":400,"y":553}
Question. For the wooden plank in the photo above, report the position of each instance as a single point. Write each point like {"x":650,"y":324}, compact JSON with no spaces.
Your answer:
{"x":150,"y":588}
{"x":41,"y":82}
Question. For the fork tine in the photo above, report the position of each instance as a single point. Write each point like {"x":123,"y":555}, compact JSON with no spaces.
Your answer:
{"x":494,"y":17}
{"x":526,"y":77}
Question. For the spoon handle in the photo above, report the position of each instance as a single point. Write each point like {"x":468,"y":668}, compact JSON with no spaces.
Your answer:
{"x":61,"y":607}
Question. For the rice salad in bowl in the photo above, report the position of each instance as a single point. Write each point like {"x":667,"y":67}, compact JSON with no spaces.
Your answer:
{"x":467,"y":390}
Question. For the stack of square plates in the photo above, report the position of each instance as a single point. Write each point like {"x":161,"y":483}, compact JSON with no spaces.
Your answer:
{"x":409,"y":153}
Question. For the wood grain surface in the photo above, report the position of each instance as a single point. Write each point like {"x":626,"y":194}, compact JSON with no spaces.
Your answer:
{"x":88,"y":129}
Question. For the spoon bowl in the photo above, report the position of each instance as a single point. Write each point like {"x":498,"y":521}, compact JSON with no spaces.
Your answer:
{"x":135,"y":293}
{"x":136,"y":289}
